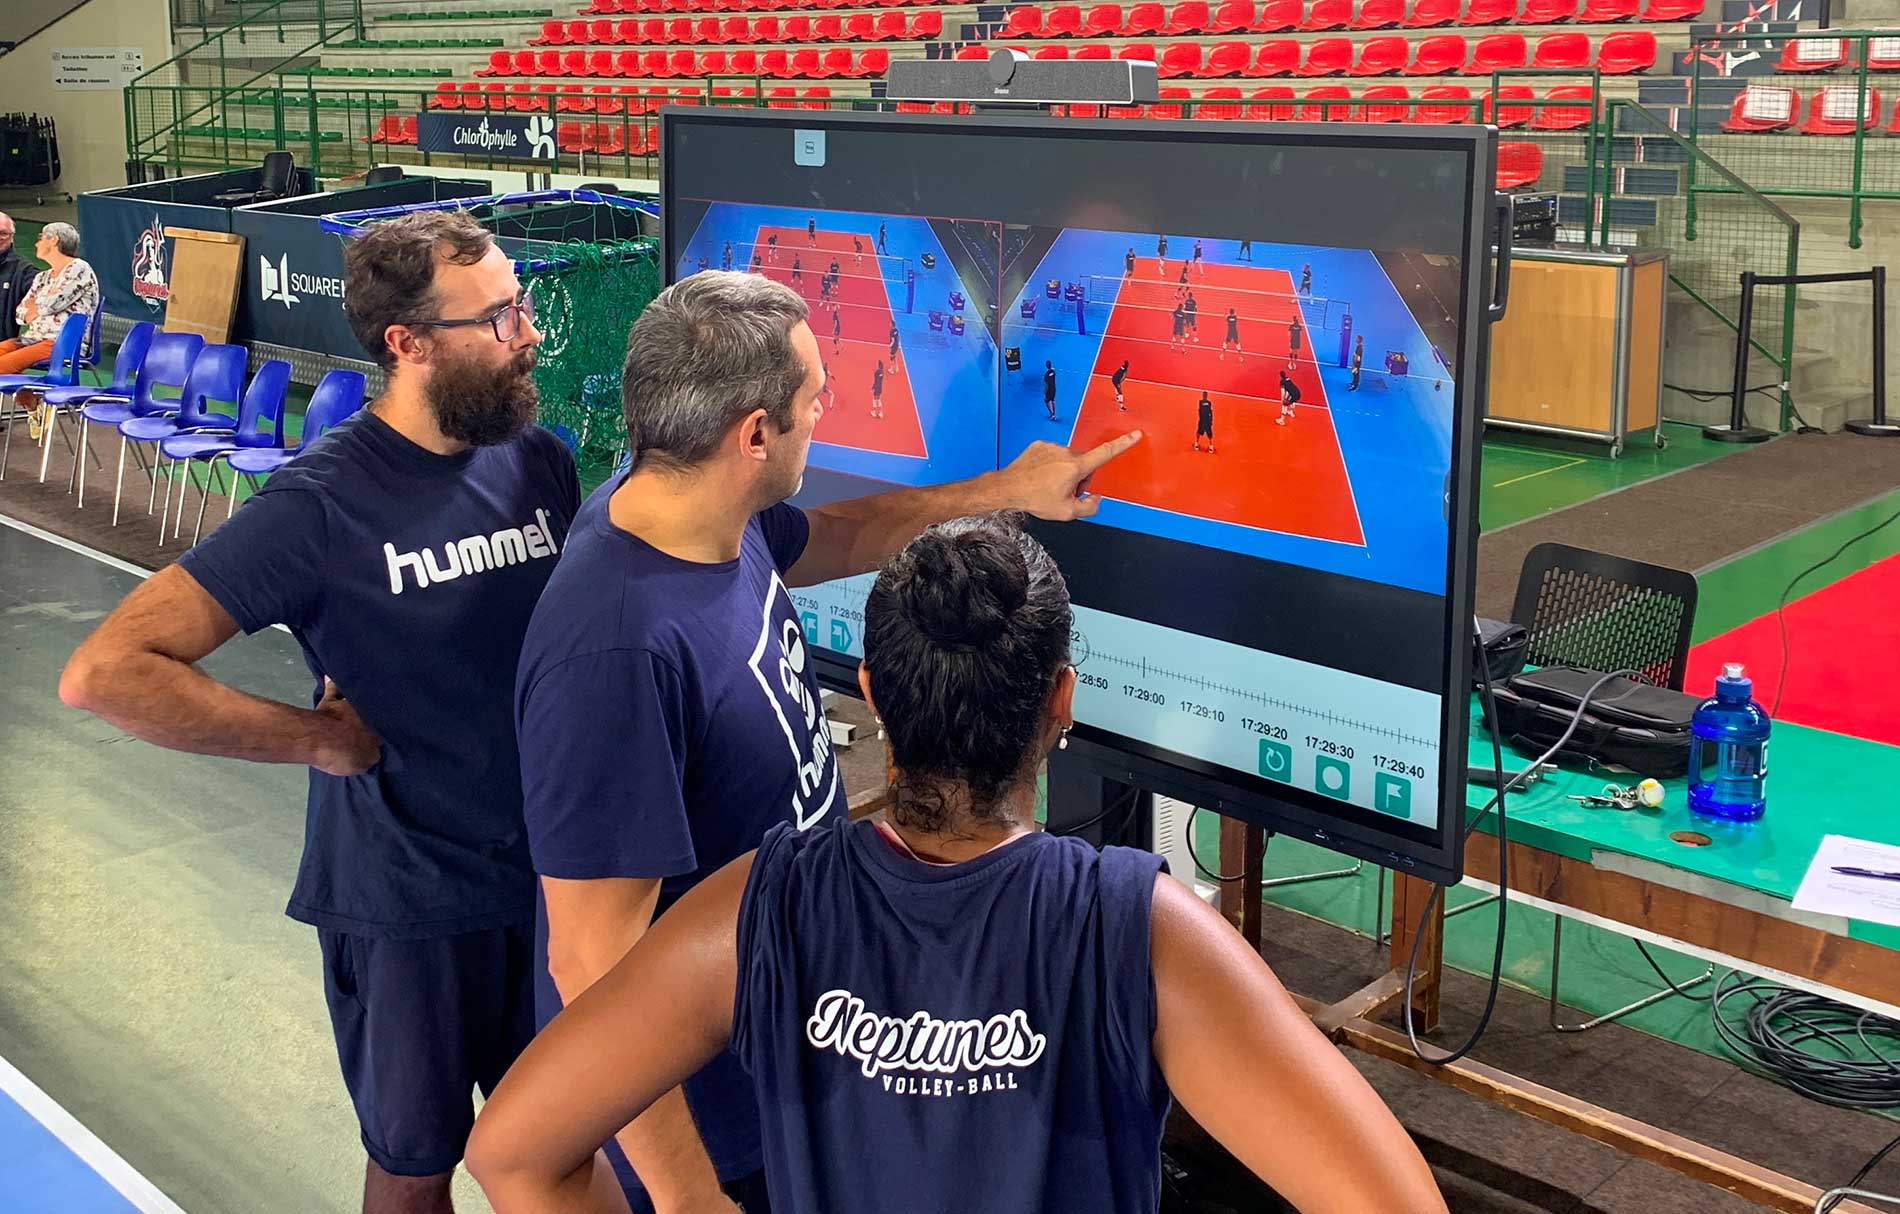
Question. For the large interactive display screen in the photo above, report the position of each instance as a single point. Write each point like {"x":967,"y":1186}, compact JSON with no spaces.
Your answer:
{"x":1273,"y":602}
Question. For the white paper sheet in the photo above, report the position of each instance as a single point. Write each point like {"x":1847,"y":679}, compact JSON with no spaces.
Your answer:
{"x":1827,"y":892}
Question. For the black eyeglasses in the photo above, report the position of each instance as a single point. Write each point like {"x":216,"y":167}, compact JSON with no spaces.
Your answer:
{"x":505,"y":321}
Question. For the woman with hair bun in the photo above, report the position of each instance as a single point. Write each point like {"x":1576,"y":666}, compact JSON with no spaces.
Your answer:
{"x":953,"y":1012}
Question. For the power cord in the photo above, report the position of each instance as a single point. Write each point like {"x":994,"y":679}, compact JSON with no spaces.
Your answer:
{"x":1781,"y":606}
{"x":1195,"y":856}
{"x":1827,"y":1050}
{"x":1125,"y":805}
{"x":1665,"y":977}
{"x":1504,"y":852}
{"x":1865,"y":1170}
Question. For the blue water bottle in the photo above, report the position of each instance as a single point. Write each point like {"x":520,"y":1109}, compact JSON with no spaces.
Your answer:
{"x":1732,"y":785}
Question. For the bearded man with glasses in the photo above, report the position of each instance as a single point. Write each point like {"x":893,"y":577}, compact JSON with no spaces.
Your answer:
{"x":405,"y":550}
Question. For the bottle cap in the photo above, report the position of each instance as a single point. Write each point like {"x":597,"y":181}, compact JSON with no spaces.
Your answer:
{"x":1732,"y":684}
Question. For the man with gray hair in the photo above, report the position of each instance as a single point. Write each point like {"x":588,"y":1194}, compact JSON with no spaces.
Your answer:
{"x":16,"y":278}
{"x":666,"y":707}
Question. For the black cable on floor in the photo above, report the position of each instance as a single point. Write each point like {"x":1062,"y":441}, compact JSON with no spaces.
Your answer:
{"x":1665,"y":977}
{"x":1865,"y":1169}
{"x":1781,"y":605}
{"x":1827,"y":1050}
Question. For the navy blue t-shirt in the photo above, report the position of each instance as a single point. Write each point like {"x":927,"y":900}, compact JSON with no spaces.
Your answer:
{"x":945,"y":1039}
{"x":407,"y":577}
{"x":668,"y":717}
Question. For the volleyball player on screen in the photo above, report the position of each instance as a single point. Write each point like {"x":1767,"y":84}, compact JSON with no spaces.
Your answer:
{"x":1233,"y":337}
{"x":1128,"y":264}
{"x":877,"y":390}
{"x":1180,"y":327}
{"x":1200,"y":267}
{"x":771,"y":248}
{"x":1204,"y":423}
{"x":756,"y":267}
{"x":1192,"y":312}
{"x":811,"y":232}
{"x":1306,"y":280}
{"x":1116,"y":379}
{"x":1049,"y":388}
{"x":1294,"y":333}
{"x":1246,"y":251}
{"x":1161,"y":247}
{"x":1289,"y":397}
{"x":1358,"y":358}
{"x":798,"y":272}
{"x":857,"y":251}
{"x":1181,"y":285}
{"x":725,"y":257}
{"x":883,"y":250}
{"x":896,"y":354}
{"x":704,"y":265}
{"x":837,"y":329}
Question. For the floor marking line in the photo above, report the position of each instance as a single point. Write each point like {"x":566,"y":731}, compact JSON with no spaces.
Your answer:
{"x":1540,"y":472}
{"x":102,"y":1159}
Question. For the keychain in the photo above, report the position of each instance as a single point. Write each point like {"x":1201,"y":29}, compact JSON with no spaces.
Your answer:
{"x":1648,"y":794}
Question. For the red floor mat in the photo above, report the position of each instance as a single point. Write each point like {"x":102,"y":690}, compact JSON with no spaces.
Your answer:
{"x":1844,"y":656}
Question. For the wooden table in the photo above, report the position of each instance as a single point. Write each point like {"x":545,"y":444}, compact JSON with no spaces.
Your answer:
{"x":1725,"y":899}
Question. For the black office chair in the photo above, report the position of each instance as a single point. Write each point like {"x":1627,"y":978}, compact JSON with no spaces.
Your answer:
{"x":277,"y":178}
{"x":1604,"y":612}
{"x":383,"y":174}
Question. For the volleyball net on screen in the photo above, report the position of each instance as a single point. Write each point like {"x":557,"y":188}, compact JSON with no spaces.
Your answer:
{"x":1255,"y":307}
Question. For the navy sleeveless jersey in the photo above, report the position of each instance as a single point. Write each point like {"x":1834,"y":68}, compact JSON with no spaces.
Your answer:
{"x":939,"y":1040}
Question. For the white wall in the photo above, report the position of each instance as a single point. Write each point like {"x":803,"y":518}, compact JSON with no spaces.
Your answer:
{"x":91,"y":124}
{"x":18,"y":18}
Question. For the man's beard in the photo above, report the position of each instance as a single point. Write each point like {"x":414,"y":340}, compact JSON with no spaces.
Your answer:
{"x":479,"y":404}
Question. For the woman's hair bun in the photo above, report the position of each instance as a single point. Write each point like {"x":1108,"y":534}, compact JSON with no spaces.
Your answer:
{"x":965,"y":588}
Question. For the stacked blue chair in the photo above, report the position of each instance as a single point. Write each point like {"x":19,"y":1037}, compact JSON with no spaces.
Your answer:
{"x":260,"y":425}
{"x":167,"y":366}
{"x":62,"y":371}
{"x":339,"y":394}
{"x":217,"y":374}
{"x":125,"y":375}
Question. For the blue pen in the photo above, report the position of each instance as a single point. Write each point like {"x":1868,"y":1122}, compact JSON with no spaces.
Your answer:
{"x":1874,"y":873}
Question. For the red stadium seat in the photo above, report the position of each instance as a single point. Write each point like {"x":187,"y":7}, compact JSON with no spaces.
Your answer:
{"x":1144,"y":19}
{"x":889,"y":26}
{"x":1488,"y":12}
{"x":1024,"y":21}
{"x":1187,"y":17}
{"x":743,"y":63}
{"x":1439,"y":55}
{"x":494,"y":97}
{"x":1622,"y":54}
{"x":1544,"y":12}
{"x":1276,"y":57}
{"x":1179,"y":59}
{"x":1893,"y":127}
{"x":627,"y":63}
{"x":1327,"y":57}
{"x":1673,"y":10}
{"x":1103,"y":21}
{"x":653,"y":31}
{"x":1599,"y":12}
{"x":627,"y":32}
{"x":913,"y":107}
{"x":794,"y":29}
{"x":1503,"y":116}
{"x":975,"y":51}
{"x":520,"y":99}
{"x":1382,"y":57}
{"x":1231,"y":17}
{"x":1426,"y":14}
{"x":548,"y":63}
{"x":860,"y":27}
{"x":836,"y":62}
{"x":500,"y":63}
{"x":828,"y":28}
{"x":569,"y":135}
{"x":1276,"y":16}
{"x":1883,"y":54}
{"x":712,"y":63}
{"x":1379,"y":14}
{"x":1055,"y":50}
{"x":781,"y":99}
{"x":1831,"y":110}
{"x":679,"y":29}
{"x":553,"y":33}
{"x":578,"y":33}
{"x":1097,"y":51}
{"x":706,"y":29}
{"x":571,"y":101}
{"x":472,"y":96}
{"x":445,"y":97}
{"x":926,"y":26}
{"x":573,"y":63}
{"x":1443,"y":113}
{"x":817,"y":97}
{"x":1562,"y":51}
{"x":606,"y":101}
{"x":778,"y":64}
{"x":1327,"y":15}
{"x":766,"y":29}
{"x":1064,"y":21}
{"x":600,"y":63}
{"x":1384,"y":113}
{"x":1170,"y":106}
{"x":1551,"y":117}
{"x":1519,"y":165}
{"x":1272,"y":102}
{"x":808,"y":63}
{"x":1219,"y":104}
{"x":1497,"y":52}
{"x":683,"y":61}
{"x":1812,"y":55}
{"x":874,"y":61}
{"x":1227,"y":59}
{"x":735,"y":30}
{"x":1137,"y":52}
{"x":1313,"y":112}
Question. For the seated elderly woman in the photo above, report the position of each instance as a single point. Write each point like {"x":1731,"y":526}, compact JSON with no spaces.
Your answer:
{"x":951,"y":1011}
{"x":66,"y":286}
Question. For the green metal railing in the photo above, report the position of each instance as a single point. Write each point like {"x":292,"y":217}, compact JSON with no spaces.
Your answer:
{"x":166,"y":98}
{"x":1855,"y":164}
{"x":1715,"y":226}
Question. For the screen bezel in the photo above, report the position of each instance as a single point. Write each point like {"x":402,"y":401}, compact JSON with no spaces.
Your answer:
{"x":1433,"y":853}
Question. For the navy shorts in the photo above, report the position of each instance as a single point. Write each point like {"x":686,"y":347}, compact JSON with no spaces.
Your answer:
{"x":421,"y":1024}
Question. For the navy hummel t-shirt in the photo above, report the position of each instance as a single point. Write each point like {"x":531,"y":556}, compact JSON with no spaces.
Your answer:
{"x":407,"y":577}
{"x":955,"y":1038}
{"x":668,"y":717}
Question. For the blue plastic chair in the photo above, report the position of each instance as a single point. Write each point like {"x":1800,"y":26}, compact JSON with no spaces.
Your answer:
{"x":167,"y":366}
{"x":62,"y":371}
{"x":216,"y":375}
{"x":339,"y":395}
{"x":125,"y":374}
{"x":260,"y":424}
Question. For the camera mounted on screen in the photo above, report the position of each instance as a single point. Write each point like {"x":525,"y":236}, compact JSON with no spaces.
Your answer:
{"x":1010,"y":77}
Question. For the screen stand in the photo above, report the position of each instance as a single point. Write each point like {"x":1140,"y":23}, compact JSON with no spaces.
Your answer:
{"x":1089,"y":805}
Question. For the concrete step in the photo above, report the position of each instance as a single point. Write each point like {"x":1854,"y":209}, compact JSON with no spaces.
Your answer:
{"x":1829,"y":408}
